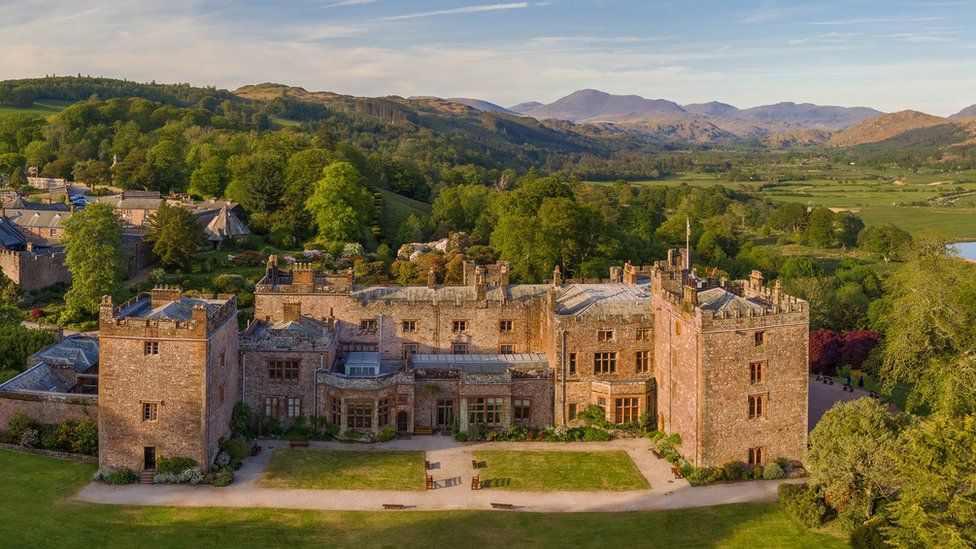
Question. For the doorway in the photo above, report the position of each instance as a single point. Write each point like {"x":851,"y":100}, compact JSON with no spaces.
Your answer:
{"x":149,"y":457}
{"x":403,"y":422}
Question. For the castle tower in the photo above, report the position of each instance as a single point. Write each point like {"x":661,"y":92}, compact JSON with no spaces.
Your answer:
{"x":168,"y":378}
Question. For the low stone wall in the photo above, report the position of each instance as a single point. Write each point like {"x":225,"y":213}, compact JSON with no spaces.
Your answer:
{"x":52,"y":409}
{"x":48,"y":453}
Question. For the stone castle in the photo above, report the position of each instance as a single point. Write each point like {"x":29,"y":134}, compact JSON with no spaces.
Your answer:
{"x":721,"y":363}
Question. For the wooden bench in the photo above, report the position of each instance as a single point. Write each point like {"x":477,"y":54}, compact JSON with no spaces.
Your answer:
{"x":430,"y":483}
{"x":502,"y":506}
{"x":255,"y":450}
{"x":394,"y":506}
{"x":426,"y":465}
{"x":298,"y":443}
{"x":423,"y":431}
{"x":476,"y":482}
{"x":657,"y":454}
{"x":474,"y":464}
{"x":676,"y":471}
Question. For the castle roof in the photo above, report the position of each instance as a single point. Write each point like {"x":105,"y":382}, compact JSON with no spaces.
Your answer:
{"x":481,"y":364}
{"x":604,"y":299}
{"x":720,"y":299}
{"x":287,"y":332}
{"x":42,"y":378}
{"x":38,"y":219}
{"x":10,"y":235}
{"x":180,"y":309}
{"x":446,"y":293}
{"x":221,"y":223}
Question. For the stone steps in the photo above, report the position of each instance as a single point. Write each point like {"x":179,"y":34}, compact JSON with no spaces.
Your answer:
{"x":146,"y":477}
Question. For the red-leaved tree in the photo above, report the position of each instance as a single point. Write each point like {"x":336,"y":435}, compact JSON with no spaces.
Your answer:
{"x":826,"y":347}
{"x":857,"y":345}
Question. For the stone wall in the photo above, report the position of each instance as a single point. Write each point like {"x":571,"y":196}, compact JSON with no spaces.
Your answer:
{"x":34,"y":271}
{"x":257,"y":385}
{"x":48,"y":408}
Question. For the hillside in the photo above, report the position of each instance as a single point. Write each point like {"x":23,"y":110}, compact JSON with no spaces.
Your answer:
{"x":481,"y":105}
{"x":598,"y":106}
{"x":523,"y":108}
{"x":797,"y":138}
{"x":965,"y":113}
{"x":884,"y":127}
{"x":693,"y":130}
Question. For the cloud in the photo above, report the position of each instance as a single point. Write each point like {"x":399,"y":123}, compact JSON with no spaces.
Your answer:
{"x":348,"y":3}
{"x":773,"y":13}
{"x":466,"y":9}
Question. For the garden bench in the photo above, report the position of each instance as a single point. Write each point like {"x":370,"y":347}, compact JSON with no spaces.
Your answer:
{"x":474,"y":464}
{"x":476,"y":482}
{"x":298,"y":443}
{"x":502,"y":506}
{"x":394,"y":506}
{"x":426,"y":465}
{"x":657,"y":454}
{"x":430,"y":483}
{"x":423,"y":431}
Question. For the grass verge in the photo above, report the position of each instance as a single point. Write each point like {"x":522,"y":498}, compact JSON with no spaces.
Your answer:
{"x":539,"y":471}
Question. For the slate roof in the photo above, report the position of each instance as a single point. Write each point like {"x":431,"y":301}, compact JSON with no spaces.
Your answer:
{"x":38,"y":219}
{"x":42,"y":378}
{"x":479,"y":364}
{"x":80,"y":352}
{"x":181,"y":309}
{"x":10,"y":236}
{"x":222,"y":223}
{"x":720,"y":299}
{"x":446,"y":293}
{"x":605,"y":299}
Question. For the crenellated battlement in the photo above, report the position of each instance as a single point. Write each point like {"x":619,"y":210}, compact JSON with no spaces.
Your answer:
{"x":150,"y":314}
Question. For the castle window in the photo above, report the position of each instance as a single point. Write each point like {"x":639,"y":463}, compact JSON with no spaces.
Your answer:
{"x":626,"y":409}
{"x":757,"y":406}
{"x":643,"y":334}
{"x":572,"y":412}
{"x":283,"y":370}
{"x":458,"y":326}
{"x":409,"y":349}
{"x":445,"y":412}
{"x":572,"y":364}
{"x":757,"y":371}
{"x":485,"y":410}
{"x":294,"y":407}
{"x":604,"y":335}
{"x":522,"y":409}
{"x":367,"y":326}
{"x":383,"y":413}
{"x":459,"y":349}
{"x":604,"y":363}
{"x":409,"y":326}
{"x":150,"y":348}
{"x":359,"y":415}
{"x":757,"y":456}
{"x":150,"y":411}
{"x":643,"y":362}
{"x":506,"y":349}
{"x":505,"y":326}
{"x":271,"y":407}
{"x":760,"y":337}
{"x":336,"y":411}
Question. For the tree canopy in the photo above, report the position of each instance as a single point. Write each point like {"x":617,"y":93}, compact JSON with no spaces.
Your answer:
{"x":94,"y":257}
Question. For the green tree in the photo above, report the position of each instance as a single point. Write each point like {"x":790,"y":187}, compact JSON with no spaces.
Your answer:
{"x":11,"y":161}
{"x":303,"y":171}
{"x":167,"y":162}
{"x":936,"y":506}
{"x":94,"y":257}
{"x":93,"y":172}
{"x":930,"y":323}
{"x":848,"y":227}
{"x":340,"y":203}
{"x":175,"y":235}
{"x":257,"y":181}
{"x":820,"y":228}
{"x":852,"y":454}
{"x":210,"y":178}
{"x":887,"y":240}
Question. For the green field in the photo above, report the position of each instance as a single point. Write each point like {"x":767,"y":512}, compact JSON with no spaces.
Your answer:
{"x":397,"y":208}
{"x":37,"y":511}
{"x":532,"y":471}
{"x":45,"y":108}
{"x":345,"y":470}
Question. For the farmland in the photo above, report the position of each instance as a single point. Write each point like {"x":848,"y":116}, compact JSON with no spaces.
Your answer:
{"x":45,"y":108}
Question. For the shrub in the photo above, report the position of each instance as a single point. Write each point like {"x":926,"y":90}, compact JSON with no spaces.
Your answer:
{"x":166,"y":478}
{"x":594,"y":415}
{"x":175,"y":464}
{"x":735,"y":470}
{"x":236,"y":448}
{"x":30,"y":438}
{"x":757,"y":472}
{"x":353,"y":434}
{"x":19,"y":423}
{"x":870,"y":534}
{"x":118,"y":476}
{"x":773,"y":471}
{"x":386,"y":434}
{"x":85,"y":440}
{"x":191,"y":475}
{"x":223,"y":478}
{"x":461,"y":436}
{"x":240,"y":420}
{"x":592,"y":434}
{"x":804,"y":503}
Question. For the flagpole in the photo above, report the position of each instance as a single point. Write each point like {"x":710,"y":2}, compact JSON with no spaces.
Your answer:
{"x":687,"y":244}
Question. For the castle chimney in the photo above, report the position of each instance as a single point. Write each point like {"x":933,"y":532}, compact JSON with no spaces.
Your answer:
{"x":161,"y":295}
{"x":557,"y":277}
{"x":272,"y":269}
{"x":479,"y":283}
{"x":302,"y":274}
{"x":616,"y":274}
{"x":199,"y":313}
{"x":755,"y":280}
{"x":291,"y":312}
{"x":468,"y":270}
{"x":503,"y":274}
{"x":106,"y":311}
{"x":30,"y":247}
{"x":431,"y":279}
{"x":778,"y":291}
{"x":690,"y":294}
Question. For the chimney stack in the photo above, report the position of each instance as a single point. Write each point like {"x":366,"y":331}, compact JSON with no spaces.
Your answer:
{"x":161,"y":295}
{"x":303,"y":274}
{"x":291,"y":312}
{"x":557,"y":277}
{"x":431,"y":279}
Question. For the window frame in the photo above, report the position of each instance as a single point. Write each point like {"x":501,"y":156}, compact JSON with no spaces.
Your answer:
{"x":150,"y":411}
{"x":506,"y":326}
{"x":757,"y":405}
{"x":485,"y":410}
{"x":359,"y":414}
{"x":410,"y":349}
{"x":626,"y":409}
{"x":271,"y":406}
{"x":604,"y":362}
{"x":642,"y":361}
{"x":383,"y":415}
{"x":604,"y":334}
{"x":757,"y":456}
{"x":150,"y":348}
{"x":293,"y":404}
{"x":284,"y":370}
{"x":506,"y":349}
{"x":409,"y":326}
{"x":459,"y":326}
{"x":759,"y":338}
{"x":642,"y":334}
{"x":572,"y":364}
{"x":757,"y":372}
{"x":368,"y":326}
{"x":521,"y":409}
{"x":463,"y":347}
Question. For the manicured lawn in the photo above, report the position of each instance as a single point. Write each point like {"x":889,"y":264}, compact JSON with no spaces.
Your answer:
{"x":345,"y":470}
{"x":37,"y":512}
{"x":45,"y":108}
{"x":551,"y":471}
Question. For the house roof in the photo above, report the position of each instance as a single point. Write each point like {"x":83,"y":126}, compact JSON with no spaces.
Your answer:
{"x":38,"y":219}
{"x":10,"y":235}
{"x":77,"y":351}
{"x":514,"y":292}
{"x":221,"y":224}
{"x":604,"y":299}
{"x":42,"y":378}
{"x":180,"y":309}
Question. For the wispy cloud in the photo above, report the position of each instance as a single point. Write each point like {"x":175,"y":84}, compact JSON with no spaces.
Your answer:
{"x":772,"y":13}
{"x":873,"y":20}
{"x":466,"y":9}
{"x":348,"y":3}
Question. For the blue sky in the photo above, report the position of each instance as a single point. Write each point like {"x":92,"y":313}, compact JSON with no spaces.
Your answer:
{"x":890,"y":55}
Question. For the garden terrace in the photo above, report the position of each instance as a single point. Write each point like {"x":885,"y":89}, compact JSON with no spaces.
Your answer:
{"x":345,"y":470}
